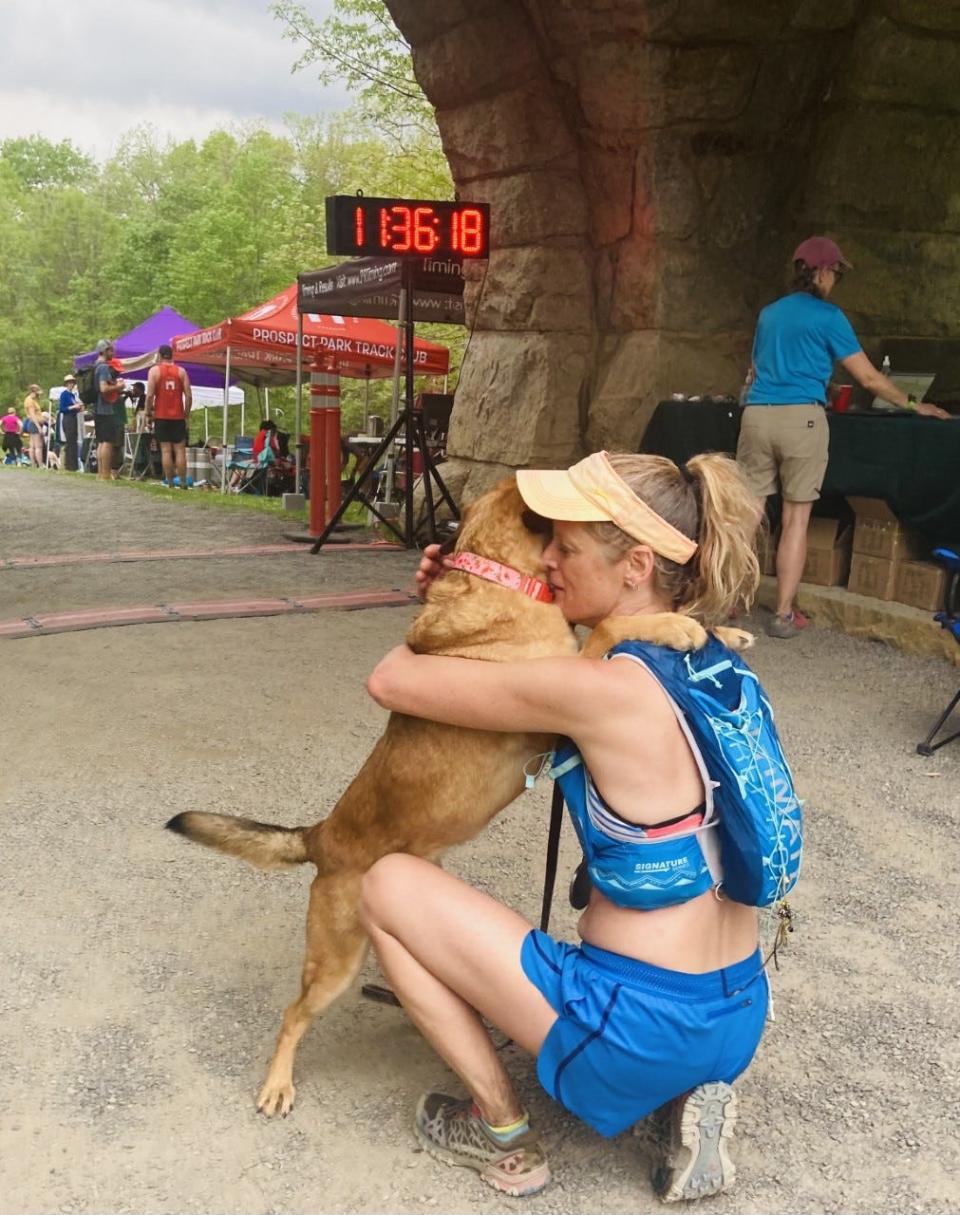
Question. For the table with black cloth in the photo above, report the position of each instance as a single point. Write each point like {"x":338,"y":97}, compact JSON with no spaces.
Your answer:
{"x":912,"y":463}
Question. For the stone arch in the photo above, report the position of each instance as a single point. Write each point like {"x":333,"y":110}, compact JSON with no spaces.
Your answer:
{"x":650,"y":164}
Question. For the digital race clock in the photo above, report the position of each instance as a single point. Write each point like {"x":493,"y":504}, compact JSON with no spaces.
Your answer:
{"x":398,"y":227}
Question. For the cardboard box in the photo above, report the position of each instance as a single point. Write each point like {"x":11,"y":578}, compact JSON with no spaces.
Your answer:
{"x":920,"y":584}
{"x":828,"y":553}
{"x":873,"y":576}
{"x":767,"y":542}
{"x":879,"y":533}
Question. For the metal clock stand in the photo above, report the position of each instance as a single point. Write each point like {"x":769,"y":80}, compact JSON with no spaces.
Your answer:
{"x":411,"y":422}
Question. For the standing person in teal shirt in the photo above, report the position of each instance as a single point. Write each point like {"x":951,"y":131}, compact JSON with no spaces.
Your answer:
{"x":784,"y":435}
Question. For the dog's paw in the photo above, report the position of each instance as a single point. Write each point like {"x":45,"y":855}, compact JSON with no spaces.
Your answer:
{"x":670,"y":629}
{"x":276,"y":1098}
{"x":733,"y":639}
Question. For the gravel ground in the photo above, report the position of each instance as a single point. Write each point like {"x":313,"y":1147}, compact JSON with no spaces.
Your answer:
{"x":47,"y":513}
{"x":142,"y":981}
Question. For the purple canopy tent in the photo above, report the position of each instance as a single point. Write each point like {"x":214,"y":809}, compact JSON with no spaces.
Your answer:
{"x":142,"y":343}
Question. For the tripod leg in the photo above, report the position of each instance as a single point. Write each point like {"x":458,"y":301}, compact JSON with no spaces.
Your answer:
{"x":427,"y":487}
{"x":928,"y":746}
{"x":356,"y":494}
{"x":431,"y":468}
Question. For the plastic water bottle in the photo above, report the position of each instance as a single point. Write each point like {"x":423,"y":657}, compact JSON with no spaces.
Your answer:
{"x":885,"y":365}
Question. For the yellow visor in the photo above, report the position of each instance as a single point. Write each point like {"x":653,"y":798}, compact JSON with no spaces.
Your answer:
{"x":593,"y":492}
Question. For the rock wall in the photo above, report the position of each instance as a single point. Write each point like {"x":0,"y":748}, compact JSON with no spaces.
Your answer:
{"x":650,"y":166}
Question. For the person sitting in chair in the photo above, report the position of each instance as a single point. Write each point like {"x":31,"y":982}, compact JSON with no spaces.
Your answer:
{"x":266,"y":438}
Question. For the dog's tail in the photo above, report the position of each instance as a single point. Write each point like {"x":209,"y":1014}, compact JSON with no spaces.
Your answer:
{"x":261,"y":844}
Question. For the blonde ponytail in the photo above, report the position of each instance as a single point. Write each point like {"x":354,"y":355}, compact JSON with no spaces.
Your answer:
{"x":709,"y":502}
{"x":726,"y":572}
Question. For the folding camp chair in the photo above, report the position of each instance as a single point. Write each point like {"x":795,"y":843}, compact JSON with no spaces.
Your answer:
{"x":253,"y":478}
{"x":949,"y":619}
{"x":267,"y":474}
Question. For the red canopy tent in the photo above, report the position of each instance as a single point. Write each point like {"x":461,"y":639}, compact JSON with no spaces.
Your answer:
{"x":261,"y":345}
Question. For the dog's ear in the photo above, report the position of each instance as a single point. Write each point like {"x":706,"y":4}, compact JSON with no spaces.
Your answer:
{"x":536,"y":523}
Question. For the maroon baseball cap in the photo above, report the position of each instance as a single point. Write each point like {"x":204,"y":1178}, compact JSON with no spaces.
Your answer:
{"x":820,"y":252}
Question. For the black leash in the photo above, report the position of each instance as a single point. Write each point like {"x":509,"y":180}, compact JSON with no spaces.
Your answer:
{"x":553,"y":853}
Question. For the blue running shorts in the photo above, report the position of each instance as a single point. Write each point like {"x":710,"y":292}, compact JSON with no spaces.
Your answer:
{"x":629,"y":1037}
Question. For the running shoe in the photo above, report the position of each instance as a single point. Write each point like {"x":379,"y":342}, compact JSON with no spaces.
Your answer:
{"x":696,"y":1131}
{"x":787,"y":626}
{"x":453,"y":1131}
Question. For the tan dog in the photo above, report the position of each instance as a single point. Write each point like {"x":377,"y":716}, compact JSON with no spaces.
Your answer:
{"x":424,"y":787}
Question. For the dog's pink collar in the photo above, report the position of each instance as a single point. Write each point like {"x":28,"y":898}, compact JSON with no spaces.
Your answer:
{"x":503,"y":575}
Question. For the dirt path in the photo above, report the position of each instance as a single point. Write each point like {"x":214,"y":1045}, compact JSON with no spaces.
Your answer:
{"x":47,"y":513}
{"x":141,"y":980}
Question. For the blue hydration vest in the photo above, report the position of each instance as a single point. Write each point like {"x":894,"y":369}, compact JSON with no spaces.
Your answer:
{"x":751,"y":835}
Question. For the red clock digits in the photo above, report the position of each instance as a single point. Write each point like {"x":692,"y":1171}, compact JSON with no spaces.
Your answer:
{"x":407,"y":227}
{"x":425,"y":223}
{"x":471,"y":231}
{"x":396,"y":229}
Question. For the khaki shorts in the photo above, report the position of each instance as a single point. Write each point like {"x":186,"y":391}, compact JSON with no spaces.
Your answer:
{"x":784,"y":447}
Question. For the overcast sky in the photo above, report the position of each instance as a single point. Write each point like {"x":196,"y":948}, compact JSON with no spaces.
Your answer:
{"x":89,"y":70}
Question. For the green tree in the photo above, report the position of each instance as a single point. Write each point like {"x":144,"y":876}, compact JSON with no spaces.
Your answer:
{"x":211,"y":228}
{"x":55,"y":232}
{"x":360,"y":45}
{"x":40,"y":164}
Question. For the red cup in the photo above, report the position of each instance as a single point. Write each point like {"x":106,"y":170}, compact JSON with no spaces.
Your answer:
{"x":841,"y":402}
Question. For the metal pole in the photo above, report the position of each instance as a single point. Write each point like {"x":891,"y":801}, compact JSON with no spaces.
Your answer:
{"x":266,"y":399}
{"x":206,"y":425}
{"x":226,"y":409}
{"x":391,"y":460}
{"x":409,"y":431}
{"x":298,"y":412}
{"x":401,"y":321}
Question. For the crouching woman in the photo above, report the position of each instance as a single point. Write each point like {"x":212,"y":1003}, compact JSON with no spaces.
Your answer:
{"x":664,"y":999}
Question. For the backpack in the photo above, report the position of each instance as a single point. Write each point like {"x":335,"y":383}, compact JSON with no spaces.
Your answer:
{"x":725,"y":712}
{"x":87,"y":385}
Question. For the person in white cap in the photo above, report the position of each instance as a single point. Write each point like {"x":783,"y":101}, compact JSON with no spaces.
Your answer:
{"x":663,"y":1004}
{"x":68,"y":423}
{"x":784,"y":436}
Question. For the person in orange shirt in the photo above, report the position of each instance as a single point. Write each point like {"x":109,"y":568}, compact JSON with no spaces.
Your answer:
{"x":169,"y":400}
